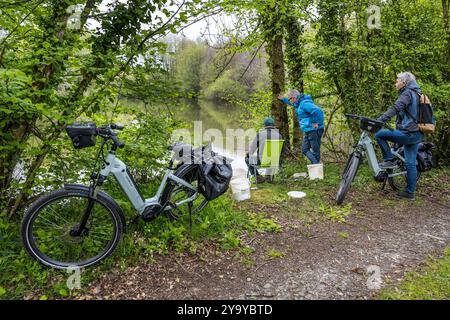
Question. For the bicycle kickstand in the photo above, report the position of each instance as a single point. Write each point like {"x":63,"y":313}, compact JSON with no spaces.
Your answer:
{"x":190,"y":216}
{"x":383,"y":186}
{"x":135,"y":219}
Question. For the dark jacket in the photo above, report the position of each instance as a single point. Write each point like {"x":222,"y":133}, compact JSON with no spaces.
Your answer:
{"x":407,"y":100}
{"x":268,"y":133}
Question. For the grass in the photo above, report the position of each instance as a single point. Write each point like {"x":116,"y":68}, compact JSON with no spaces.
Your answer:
{"x":343,"y":235}
{"x":273,"y":254}
{"x":319,"y":203}
{"x":430,"y":282}
{"x":222,"y":224}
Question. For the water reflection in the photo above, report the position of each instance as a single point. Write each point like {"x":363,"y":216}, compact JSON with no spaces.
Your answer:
{"x":213,"y":115}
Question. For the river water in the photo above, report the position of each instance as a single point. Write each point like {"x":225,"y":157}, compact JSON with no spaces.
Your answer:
{"x":210,"y":117}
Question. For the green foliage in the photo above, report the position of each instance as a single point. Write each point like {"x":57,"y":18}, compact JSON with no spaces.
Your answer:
{"x":254,"y":108}
{"x":52,"y":73}
{"x":225,"y":88}
{"x":362,"y":63}
{"x":336,"y":214}
{"x":343,"y":235}
{"x":189,"y":62}
{"x":273,"y":254}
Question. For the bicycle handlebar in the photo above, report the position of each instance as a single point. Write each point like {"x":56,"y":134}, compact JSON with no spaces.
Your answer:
{"x":116,"y":127}
{"x":107,"y":132}
{"x":116,"y":140}
{"x":357,"y":117}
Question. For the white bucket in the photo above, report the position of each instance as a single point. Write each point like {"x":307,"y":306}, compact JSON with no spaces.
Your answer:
{"x":240,"y":188}
{"x":315,"y":171}
{"x":239,"y":173}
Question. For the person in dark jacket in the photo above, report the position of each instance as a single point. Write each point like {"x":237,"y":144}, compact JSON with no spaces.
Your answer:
{"x":311,"y":120}
{"x":407,"y":131}
{"x":257,"y":146}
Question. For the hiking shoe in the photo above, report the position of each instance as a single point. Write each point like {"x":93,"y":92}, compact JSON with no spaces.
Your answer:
{"x":388,"y":164}
{"x":405,"y":195}
{"x":260,"y":179}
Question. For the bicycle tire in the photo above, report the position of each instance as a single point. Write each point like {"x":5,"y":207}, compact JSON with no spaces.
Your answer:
{"x":347,"y":177}
{"x":189,"y":173}
{"x":29,"y":238}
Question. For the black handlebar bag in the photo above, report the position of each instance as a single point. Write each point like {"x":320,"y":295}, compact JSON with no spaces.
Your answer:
{"x":214,"y":179}
{"x":82,"y":134}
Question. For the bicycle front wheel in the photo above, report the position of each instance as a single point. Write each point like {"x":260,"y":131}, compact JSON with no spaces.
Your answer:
{"x":174,"y":194}
{"x":49,"y":224}
{"x":347,"y":177}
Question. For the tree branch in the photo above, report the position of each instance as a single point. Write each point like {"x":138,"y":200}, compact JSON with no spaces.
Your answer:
{"x":251,"y":61}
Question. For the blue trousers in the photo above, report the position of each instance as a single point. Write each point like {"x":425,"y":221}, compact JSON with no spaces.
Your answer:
{"x":410,"y":142}
{"x":311,"y":145}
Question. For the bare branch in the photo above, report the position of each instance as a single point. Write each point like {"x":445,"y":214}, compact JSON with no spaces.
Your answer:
{"x":251,"y":61}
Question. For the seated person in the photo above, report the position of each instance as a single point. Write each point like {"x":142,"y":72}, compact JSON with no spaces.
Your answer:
{"x":270,"y":132}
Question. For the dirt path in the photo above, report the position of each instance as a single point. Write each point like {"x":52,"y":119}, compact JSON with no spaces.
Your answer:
{"x":325,"y":261}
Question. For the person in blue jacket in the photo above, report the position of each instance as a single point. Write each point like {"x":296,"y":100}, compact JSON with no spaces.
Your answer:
{"x":311,"y":120}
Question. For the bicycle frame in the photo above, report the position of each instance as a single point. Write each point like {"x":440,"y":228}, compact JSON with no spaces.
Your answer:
{"x":366,"y":143}
{"x":122,"y":174}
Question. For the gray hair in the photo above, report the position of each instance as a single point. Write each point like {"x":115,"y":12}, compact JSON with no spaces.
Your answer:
{"x":293,"y":93}
{"x":406,"y":77}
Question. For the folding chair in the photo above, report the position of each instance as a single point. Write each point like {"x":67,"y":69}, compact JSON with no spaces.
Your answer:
{"x":270,"y":159}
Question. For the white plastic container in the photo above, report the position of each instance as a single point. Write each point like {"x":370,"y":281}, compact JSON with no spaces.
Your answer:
{"x":299,"y":175}
{"x":296,"y":194}
{"x":240,"y":188}
{"x":239,"y":173}
{"x":315,"y":171}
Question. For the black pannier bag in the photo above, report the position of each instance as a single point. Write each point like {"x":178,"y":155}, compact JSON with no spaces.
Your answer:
{"x":425,"y":159}
{"x":82,"y":134}
{"x":214,"y":178}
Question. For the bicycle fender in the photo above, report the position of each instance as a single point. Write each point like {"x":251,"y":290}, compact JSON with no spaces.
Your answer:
{"x":75,"y":186}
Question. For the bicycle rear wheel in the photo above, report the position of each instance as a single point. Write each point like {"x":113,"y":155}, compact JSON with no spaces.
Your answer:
{"x":49,"y":224}
{"x":399,"y":182}
{"x":174,"y":193}
{"x":347,"y":177}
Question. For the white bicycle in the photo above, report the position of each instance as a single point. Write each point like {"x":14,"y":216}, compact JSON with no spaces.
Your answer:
{"x":396,"y":176}
{"x":79,"y":226}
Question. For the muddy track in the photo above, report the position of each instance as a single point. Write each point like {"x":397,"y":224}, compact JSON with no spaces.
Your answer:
{"x":325,"y":261}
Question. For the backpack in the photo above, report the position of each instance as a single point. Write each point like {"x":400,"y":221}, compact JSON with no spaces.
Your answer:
{"x":425,"y":117}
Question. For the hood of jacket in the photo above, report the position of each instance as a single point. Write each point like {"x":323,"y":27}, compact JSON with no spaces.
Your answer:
{"x":301,"y":98}
{"x":411,"y":86}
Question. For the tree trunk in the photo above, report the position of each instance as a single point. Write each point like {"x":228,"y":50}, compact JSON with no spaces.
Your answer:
{"x":294,"y":55}
{"x":276,"y":65}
